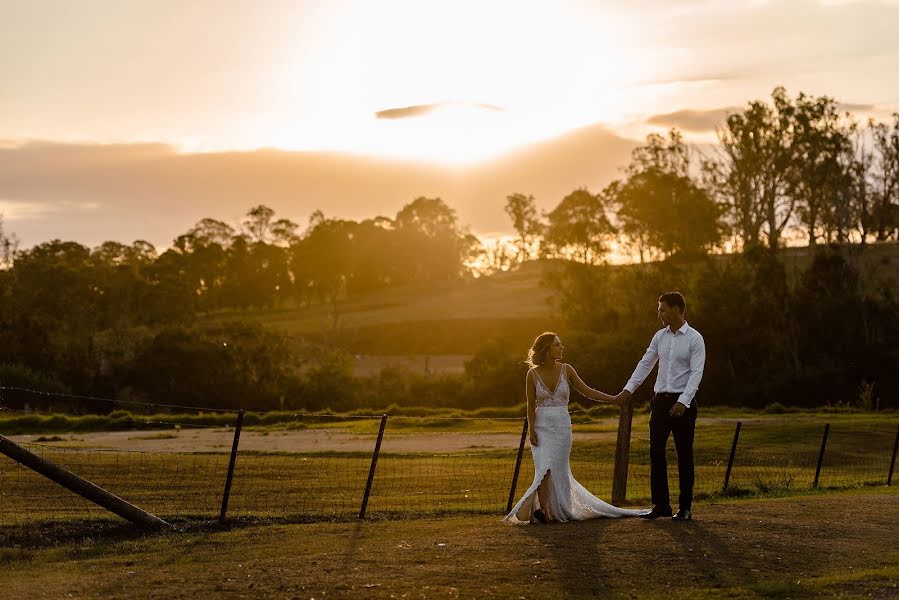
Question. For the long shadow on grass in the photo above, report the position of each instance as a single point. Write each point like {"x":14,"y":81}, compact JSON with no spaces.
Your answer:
{"x":349,"y":557}
{"x":706,"y":558}
{"x":576,"y":550}
{"x":48,"y":535}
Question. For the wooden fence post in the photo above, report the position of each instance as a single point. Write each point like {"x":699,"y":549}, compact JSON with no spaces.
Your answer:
{"x":622,"y":453}
{"x":80,"y":486}
{"x":821,"y":454}
{"x":374,"y":464}
{"x":893,"y":460}
{"x":237,"y":427}
{"x":524,"y":435}
{"x":733,"y":453}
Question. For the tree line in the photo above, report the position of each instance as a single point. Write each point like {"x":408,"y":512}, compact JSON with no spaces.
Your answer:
{"x":122,"y":316}
{"x":796,"y":167}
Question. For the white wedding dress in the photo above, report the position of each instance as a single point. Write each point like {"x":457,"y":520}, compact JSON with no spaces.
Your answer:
{"x":566,"y":499}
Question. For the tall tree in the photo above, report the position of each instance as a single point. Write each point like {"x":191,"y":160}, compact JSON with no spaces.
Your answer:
{"x":819,"y":171}
{"x":258,"y":223}
{"x":660,"y":207}
{"x":9,"y":245}
{"x":284,"y":232}
{"x":202,"y":260}
{"x":667,"y":154}
{"x":523,"y":212}
{"x":429,"y":216}
{"x":579,"y":227}
{"x":670,"y":212}
{"x":886,"y":179}
{"x":751,"y":173}
{"x":434,"y":245}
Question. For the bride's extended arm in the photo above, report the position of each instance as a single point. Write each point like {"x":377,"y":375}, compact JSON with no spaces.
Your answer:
{"x":579,"y":385}
{"x":531,"y":394}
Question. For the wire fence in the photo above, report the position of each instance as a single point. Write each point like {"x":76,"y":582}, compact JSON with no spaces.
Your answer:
{"x":311,"y":466}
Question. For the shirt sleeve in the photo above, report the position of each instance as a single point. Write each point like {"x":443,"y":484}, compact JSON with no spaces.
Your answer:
{"x":697,"y":365}
{"x":644,"y":367}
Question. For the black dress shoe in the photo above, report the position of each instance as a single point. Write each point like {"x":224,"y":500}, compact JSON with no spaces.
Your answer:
{"x":539,"y":516}
{"x":657,"y":512}
{"x":682,"y":514}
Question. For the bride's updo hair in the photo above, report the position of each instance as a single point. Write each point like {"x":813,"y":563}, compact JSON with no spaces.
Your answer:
{"x":539,"y":349}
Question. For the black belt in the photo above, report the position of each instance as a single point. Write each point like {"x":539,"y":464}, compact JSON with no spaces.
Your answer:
{"x":669,"y":394}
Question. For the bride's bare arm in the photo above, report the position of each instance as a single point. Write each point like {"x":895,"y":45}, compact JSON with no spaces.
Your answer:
{"x":578,"y":384}
{"x":531,"y":394}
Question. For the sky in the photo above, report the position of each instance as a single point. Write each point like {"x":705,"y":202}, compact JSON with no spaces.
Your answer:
{"x":133,"y":120}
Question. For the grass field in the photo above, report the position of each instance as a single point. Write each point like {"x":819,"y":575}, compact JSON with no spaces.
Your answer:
{"x":423,"y":470}
{"x":457,"y":316}
{"x":834,"y":545}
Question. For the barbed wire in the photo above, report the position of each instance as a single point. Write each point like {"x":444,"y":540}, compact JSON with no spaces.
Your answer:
{"x":153,"y":405}
{"x":116,"y":401}
{"x":325,"y":479}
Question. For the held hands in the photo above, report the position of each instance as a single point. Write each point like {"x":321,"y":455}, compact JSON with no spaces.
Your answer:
{"x":623,"y":398}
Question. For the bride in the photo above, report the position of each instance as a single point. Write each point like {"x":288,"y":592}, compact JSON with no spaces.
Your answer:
{"x":555,"y":495}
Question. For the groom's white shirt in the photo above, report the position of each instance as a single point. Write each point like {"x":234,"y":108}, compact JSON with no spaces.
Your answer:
{"x":681,"y":358}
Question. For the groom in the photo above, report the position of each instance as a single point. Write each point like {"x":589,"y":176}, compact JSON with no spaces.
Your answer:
{"x":680,"y":351}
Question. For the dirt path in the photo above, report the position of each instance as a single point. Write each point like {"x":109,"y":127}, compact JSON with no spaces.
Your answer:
{"x":306,"y":440}
{"x":797,"y":547}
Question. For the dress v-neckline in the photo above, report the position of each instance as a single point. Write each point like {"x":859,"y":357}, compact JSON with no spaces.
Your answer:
{"x":558,"y":381}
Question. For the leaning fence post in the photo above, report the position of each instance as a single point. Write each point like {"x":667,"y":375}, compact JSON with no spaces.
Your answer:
{"x":374,"y":463}
{"x":79,"y":485}
{"x":230,"y":478}
{"x":893,"y":460}
{"x":733,"y":453}
{"x":622,"y":454}
{"x":821,"y":454}
{"x":524,"y":435}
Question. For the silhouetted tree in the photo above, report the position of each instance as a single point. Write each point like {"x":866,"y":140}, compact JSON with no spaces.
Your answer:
{"x":434,"y":247}
{"x":523,"y":212}
{"x":578,"y":227}
{"x":751,"y":174}
{"x":660,"y":207}
{"x":9,"y":245}
{"x":886,"y":180}
{"x":258,"y":223}
{"x":820,"y":171}
{"x":670,"y":212}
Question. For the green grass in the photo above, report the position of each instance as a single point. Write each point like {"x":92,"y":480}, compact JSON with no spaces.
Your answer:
{"x":776,"y":457}
{"x":795,"y":424}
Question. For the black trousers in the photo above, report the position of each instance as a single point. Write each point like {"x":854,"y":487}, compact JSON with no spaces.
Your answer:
{"x":661,"y":424}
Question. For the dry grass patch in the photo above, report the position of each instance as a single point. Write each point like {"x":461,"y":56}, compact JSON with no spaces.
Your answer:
{"x":790,"y":547}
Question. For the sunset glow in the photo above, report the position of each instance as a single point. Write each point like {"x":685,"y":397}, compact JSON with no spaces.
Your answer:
{"x":542,"y":69}
{"x":378,"y":102}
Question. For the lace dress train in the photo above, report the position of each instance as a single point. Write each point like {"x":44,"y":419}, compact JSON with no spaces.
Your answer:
{"x":564,"y":497}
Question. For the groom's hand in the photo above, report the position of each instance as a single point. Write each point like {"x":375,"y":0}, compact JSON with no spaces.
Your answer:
{"x":623,"y":398}
{"x":678,"y":409}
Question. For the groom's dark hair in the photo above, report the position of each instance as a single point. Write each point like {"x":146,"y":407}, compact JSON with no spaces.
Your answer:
{"x":674,"y":299}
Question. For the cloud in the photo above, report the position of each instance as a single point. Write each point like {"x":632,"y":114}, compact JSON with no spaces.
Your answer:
{"x":699,"y":121}
{"x":694,"y":120}
{"x":18,"y":210}
{"x":420,"y":110}
{"x":90,"y":193}
{"x":694,"y":80}
{"x":407,"y":112}
{"x":862,"y":108}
